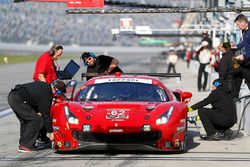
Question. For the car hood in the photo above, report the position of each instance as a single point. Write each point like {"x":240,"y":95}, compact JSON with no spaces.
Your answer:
{"x":116,"y":111}
{"x":120,"y":108}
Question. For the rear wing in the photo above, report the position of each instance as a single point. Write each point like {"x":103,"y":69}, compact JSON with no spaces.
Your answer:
{"x":163,"y":75}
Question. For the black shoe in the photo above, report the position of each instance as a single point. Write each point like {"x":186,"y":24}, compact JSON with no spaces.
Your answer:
{"x":218,"y":136}
{"x":43,"y":140}
{"x":23,"y":149}
{"x":43,"y":143}
{"x":228,"y":134}
{"x":215,"y":136}
{"x":43,"y":146}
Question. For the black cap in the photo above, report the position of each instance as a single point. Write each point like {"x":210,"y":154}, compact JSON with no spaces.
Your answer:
{"x":86,"y":55}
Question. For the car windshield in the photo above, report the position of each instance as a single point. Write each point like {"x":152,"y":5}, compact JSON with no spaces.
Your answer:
{"x":122,"y":91}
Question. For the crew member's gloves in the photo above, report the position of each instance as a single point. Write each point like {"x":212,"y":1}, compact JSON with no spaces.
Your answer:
{"x":190,"y":109}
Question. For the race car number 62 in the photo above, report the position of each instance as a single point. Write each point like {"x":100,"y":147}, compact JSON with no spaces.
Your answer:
{"x":117,"y":112}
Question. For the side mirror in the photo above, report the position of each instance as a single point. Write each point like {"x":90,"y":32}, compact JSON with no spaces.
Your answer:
{"x":72,"y":83}
{"x":186,"y":96}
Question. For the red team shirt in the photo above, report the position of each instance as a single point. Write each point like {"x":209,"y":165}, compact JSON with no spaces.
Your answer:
{"x":45,"y":65}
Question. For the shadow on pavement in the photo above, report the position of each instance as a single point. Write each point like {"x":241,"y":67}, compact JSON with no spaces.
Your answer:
{"x":191,"y":143}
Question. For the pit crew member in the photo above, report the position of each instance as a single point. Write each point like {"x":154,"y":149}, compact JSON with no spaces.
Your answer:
{"x":101,"y":64}
{"x":31,"y":103}
{"x":217,"y":120}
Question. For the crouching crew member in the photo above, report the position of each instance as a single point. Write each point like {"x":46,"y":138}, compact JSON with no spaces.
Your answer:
{"x":31,"y":103}
{"x":217,"y":120}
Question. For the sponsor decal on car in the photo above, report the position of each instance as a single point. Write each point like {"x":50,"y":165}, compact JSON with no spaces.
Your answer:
{"x":117,"y":114}
{"x":115,"y":130}
{"x":106,"y":80}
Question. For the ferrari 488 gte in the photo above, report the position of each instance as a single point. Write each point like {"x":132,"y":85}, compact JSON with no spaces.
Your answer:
{"x":124,"y":112}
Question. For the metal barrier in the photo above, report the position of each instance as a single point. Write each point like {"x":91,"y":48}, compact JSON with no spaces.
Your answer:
{"x":243,"y":109}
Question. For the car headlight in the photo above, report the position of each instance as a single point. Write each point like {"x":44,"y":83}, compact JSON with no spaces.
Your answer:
{"x":165,"y":117}
{"x":71,"y":118}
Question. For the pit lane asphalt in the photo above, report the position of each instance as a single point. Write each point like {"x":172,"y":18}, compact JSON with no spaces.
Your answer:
{"x":231,"y":153}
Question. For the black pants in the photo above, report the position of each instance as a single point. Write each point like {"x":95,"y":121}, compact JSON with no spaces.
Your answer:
{"x":237,"y":80}
{"x":171,"y":66}
{"x":188,"y":63}
{"x":243,"y":72}
{"x":205,"y":74}
{"x":213,"y":120}
{"x":30,"y":122}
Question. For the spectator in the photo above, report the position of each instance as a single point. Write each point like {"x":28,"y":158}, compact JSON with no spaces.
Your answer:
{"x":215,"y":52}
{"x":31,"y":103}
{"x":172,"y":60}
{"x":207,"y":39}
{"x":205,"y":59}
{"x":217,"y":120}
{"x":101,"y":64}
{"x":189,"y":56}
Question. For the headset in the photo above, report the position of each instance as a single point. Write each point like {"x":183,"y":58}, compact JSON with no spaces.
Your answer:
{"x":54,"y":48}
{"x":58,"y":92}
{"x":91,"y":54}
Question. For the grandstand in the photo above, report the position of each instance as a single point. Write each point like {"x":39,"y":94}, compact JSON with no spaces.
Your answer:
{"x":43,"y":23}
{"x":4,"y":1}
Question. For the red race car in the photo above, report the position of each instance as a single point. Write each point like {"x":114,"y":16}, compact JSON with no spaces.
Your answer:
{"x":122,"y":112}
